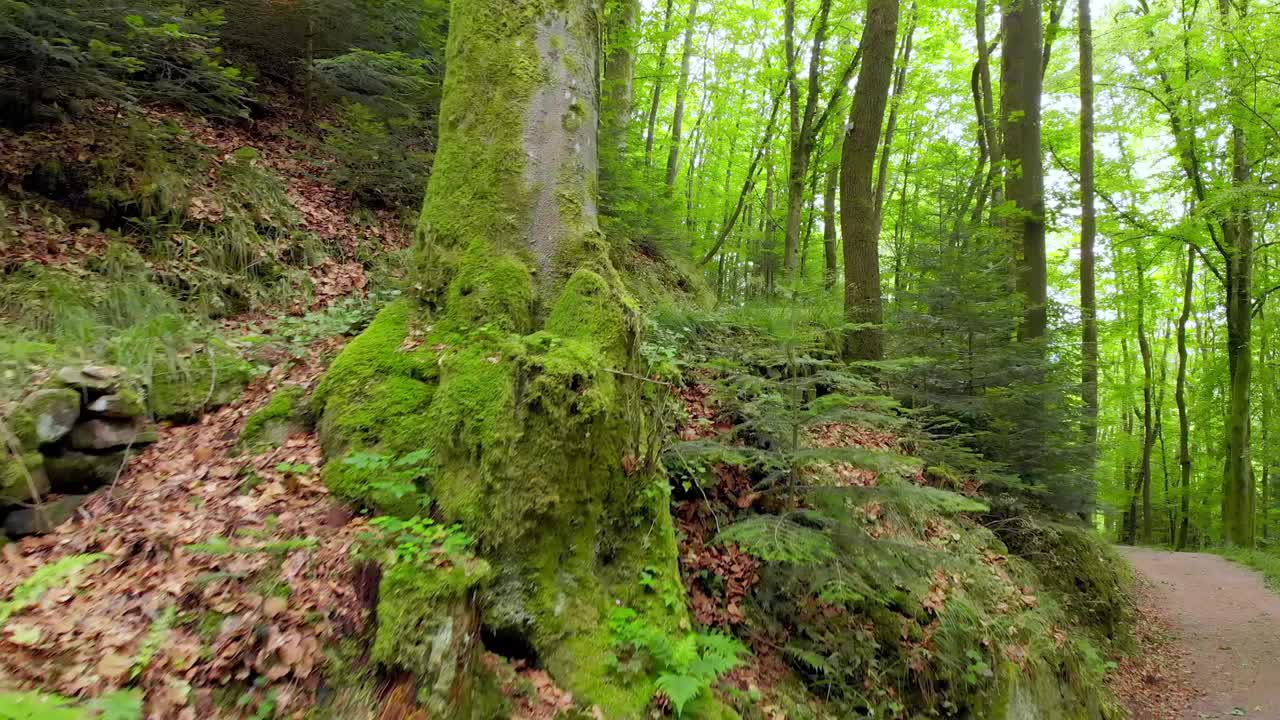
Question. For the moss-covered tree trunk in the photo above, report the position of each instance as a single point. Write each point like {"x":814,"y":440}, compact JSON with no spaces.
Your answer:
{"x":513,"y":366}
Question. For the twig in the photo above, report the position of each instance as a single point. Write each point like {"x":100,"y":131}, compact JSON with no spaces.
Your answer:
{"x":633,"y":376}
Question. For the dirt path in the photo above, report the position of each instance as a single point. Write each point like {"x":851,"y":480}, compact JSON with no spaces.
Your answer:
{"x":1226,"y":633}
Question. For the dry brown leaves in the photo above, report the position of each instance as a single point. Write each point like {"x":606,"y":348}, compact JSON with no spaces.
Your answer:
{"x":42,"y":236}
{"x":230,"y":627}
{"x":1154,"y":683}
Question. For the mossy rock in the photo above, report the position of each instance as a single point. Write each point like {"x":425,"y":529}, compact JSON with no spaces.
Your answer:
{"x":211,"y":377}
{"x":74,"y":472}
{"x":53,"y":412}
{"x":270,"y":425}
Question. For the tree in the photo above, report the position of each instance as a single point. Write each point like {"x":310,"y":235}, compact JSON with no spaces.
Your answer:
{"x":1088,"y":238}
{"x":858,"y":221}
{"x":1021,"y":82}
{"x":619,"y":73}
{"x":682,"y":91}
{"x":526,"y":390}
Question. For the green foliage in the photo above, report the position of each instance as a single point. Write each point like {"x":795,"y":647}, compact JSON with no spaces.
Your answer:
{"x":118,"y":705}
{"x":418,"y":541}
{"x":393,"y":480}
{"x":45,"y":578}
{"x":1264,"y":560}
{"x":685,"y":668}
{"x":779,"y":539}
{"x":61,"y":55}
{"x":157,"y":635}
{"x":382,"y":159}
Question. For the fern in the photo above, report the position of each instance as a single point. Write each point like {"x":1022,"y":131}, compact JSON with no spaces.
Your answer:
{"x":44,"y":579}
{"x":151,"y":644}
{"x":685,"y":667}
{"x":37,"y":706}
{"x":778,"y":539}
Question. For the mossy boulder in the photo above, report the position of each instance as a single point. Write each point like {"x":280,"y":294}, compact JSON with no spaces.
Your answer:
{"x":124,"y":403}
{"x":181,"y":389}
{"x":270,"y":425}
{"x":53,"y":413}
{"x":72,"y":472}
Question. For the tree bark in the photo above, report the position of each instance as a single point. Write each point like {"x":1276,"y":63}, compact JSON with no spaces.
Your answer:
{"x":862,"y":302}
{"x":1024,"y":171}
{"x":1148,"y":421}
{"x":1180,"y":397}
{"x":1238,"y":238}
{"x":524,"y":386}
{"x":899,"y":86}
{"x":682,"y":92}
{"x":831,"y":266}
{"x":1088,"y":238}
{"x":619,"y":75}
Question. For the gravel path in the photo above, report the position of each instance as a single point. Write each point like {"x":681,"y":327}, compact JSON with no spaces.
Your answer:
{"x":1227,"y":626}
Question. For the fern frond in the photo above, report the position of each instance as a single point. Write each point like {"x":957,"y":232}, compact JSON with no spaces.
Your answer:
{"x":778,"y":539}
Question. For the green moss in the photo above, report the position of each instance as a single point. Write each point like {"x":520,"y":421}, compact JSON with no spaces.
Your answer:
{"x":269,"y":426}
{"x":19,"y":475}
{"x":491,"y":289}
{"x":426,"y":625}
{"x":1092,"y":580}
{"x":209,"y":378}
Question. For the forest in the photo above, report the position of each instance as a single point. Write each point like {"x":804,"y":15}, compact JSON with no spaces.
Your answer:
{"x":622,"y":359}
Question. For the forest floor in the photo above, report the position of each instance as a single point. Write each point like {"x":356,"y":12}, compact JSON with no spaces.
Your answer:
{"x":1205,"y":623}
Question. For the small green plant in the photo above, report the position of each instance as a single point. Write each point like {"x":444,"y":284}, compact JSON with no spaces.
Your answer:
{"x":156,"y":636}
{"x":44,"y":579}
{"x":395,"y":478}
{"x":421,"y":541}
{"x":684,"y":668}
{"x":978,"y":670}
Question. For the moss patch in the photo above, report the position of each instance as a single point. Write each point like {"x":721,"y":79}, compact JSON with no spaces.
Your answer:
{"x":269,"y":426}
{"x":211,"y":377}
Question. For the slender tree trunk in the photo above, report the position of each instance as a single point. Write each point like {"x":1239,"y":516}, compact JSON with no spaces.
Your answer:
{"x":1180,"y":397}
{"x":1024,"y":175}
{"x":619,"y":73}
{"x":899,"y":87}
{"x":995,"y":148}
{"x":1088,"y":237}
{"x":682,"y":92}
{"x":1148,"y":423}
{"x":862,"y":304}
{"x":829,"y":238}
{"x":651,"y":124}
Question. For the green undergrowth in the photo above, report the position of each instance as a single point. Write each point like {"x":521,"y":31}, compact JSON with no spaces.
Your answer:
{"x":118,"y":705}
{"x":887,"y":584}
{"x":269,"y":426}
{"x":1264,"y":560}
{"x":113,"y":314}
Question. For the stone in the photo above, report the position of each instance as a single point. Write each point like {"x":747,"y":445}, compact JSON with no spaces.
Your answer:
{"x":104,"y":434}
{"x":93,"y":379}
{"x":53,"y":411}
{"x":42,"y":519}
{"x":77,"y":472}
{"x":123,"y":404}
{"x":19,"y":476}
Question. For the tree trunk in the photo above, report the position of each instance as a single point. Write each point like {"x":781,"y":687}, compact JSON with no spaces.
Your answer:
{"x":1148,"y":422}
{"x":829,"y":238}
{"x":1180,"y":397}
{"x":899,"y":86}
{"x":651,"y":125}
{"x":1238,"y":237}
{"x":619,"y":74}
{"x":513,"y":365}
{"x":682,"y":92}
{"x":995,"y":148}
{"x":862,"y":304}
{"x":1024,"y":173}
{"x":1088,"y":237}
